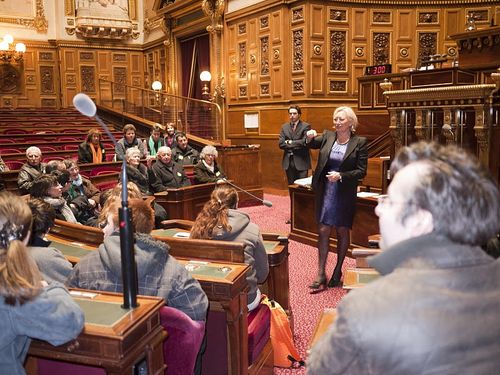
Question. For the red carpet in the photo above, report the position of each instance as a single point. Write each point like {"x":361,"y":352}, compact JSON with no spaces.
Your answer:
{"x":303,"y":268}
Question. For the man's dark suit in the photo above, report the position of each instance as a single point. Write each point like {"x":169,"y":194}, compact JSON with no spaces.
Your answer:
{"x":296,"y":158}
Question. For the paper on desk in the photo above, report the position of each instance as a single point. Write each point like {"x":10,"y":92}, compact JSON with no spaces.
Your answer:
{"x":367,"y":194}
{"x":182,"y":235}
{"x":306,"y":182}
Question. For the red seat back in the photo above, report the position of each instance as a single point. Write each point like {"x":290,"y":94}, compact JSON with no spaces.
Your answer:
{"x":182,"y":345}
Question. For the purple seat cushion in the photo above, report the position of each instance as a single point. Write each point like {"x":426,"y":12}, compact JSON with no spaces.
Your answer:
{"x":183,"y":341}
{"x":50,"y":367}
{"x":259,"y":328}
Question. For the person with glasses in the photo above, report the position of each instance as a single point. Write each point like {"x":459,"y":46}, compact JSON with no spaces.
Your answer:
{"x":435,"y":307}
{"x":342,"y":162}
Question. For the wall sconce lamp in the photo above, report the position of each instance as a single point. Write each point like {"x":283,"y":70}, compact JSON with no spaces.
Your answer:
{"x":157,"y":86}
{"x":205,"y":78}
{"x":9,"y":52}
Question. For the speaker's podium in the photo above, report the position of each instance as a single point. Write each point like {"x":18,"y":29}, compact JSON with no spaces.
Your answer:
{"x":118,"y":340}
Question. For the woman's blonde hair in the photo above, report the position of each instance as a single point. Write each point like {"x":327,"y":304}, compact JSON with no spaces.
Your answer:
{"x":215,"y":212}
{"x":353,"y":119}
{"x":20,"y":279}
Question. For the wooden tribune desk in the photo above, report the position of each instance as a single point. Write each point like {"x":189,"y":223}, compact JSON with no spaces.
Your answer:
{"x":185,"y":202}
{"x":115,"y":339}
{"x":305,"y":226}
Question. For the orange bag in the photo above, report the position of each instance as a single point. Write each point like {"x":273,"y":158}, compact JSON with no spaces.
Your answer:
{"x":285,"y":353}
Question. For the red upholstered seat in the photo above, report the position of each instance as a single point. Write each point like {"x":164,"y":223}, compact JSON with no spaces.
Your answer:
{"x":182,"y":345}
{"x":259,"y":329}
{"x":46,"y":148}
{"x":14,"y":164}
{"x":4,"y":151}
{"x":16,"y":131}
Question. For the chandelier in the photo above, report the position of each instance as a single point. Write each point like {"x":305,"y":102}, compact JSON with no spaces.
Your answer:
{"x":10,"y":52}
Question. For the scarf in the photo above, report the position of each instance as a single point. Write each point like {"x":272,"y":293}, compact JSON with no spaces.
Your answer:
{"x":211,"y":168}
{"x":96,"y":154}
{"x":60,"y":205}
{"x":153,"y":147}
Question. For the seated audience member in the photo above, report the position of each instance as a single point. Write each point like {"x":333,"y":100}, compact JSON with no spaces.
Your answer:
{"x":170,"y":135}
{"x":129,"y":140}
{"x":438,"y":295}
{"x":3,"y":166}
{"x":55,"y":165}
{"x":47,"y":188}
{"x":183,"y":153}
{"x":50,"y":261}
{"x":138,"y":173}
{"x":30,"y":170}
{"x":219,"y":220}
{"x":207,"y":169}
{"x":158,"y":273}
{"x":141,"y":176}
{"x":81,"y":185}
{"x":83,"y":210}
{"x":29,"y":308}
{"x":166,"y":173}
{"x":92,"y":149}
{"x":155,"y":140}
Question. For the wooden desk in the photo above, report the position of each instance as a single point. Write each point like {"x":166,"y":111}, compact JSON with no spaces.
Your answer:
{"x":226,"y":288}
{"x":358,"y":277}
{"x":305,"y":226}
{"x":277,"y":283}
{"x":113,"y":338}
{"x":326,"y":319}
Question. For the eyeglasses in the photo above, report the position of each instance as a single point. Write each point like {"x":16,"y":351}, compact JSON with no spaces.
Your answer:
{"x":385,"y":200}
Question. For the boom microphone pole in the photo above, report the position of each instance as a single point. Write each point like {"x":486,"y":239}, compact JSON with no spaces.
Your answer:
{"x":87,"y":107}
{"x":264,"y":202}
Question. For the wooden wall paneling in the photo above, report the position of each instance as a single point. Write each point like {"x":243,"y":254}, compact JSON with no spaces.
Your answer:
{"x":381,"y":17}
{"x":69,"y":65}
{"x":365,"y":95}
{"x":271,"y":120}
{"x":358,"y":70}
{"x":277,"y":27}
{"x":405,"y":25}
{"x":453,"y":21}
{"x":316,"y":49}
{"x":317,"y":24}
{"x":317,"y":81}
{"x":234,"y":125}
{"x":359,"y":24}
{"x":253,"y":59}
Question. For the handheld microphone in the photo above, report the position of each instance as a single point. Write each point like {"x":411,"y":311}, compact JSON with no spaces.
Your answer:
{"x":263,"y":201}
{"x":87,"y":107}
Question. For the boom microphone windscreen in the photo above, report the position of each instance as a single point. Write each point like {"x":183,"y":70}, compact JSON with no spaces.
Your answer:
{"x":84,"y":105}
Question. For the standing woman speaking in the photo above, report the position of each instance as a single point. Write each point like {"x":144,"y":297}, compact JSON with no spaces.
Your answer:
{"x":342,"y":161}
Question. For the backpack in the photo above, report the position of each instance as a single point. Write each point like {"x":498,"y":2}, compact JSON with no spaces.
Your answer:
{"x":285,"y":352}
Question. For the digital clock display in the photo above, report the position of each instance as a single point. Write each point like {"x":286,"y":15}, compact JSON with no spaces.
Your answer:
{"x":378,"y":69}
